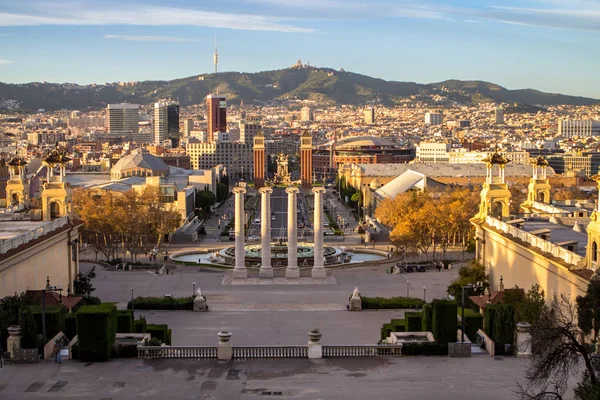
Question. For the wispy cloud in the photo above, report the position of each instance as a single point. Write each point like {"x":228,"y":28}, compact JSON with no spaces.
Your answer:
{"x":150,"y":38}
{"x":123,"y":13}
{"x":4,"y":62}
{"x":5,"y":34}
{"x":559,"y":14}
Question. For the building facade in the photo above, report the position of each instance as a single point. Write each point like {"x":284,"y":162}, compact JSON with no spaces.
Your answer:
{"x":123,"y":118}
{"x":216,"y":115}
{"x":578,"y":128}
{"x":235,"y":156}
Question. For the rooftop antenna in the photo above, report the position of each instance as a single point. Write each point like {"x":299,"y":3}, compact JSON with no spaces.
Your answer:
{"x":216,"y":56}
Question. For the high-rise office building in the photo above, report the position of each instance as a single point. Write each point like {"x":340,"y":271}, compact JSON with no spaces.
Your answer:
{"x":248,"y":131}
{"x":188,"y":126}
{"x":433,"y":118}
{"x":123,"y":118}
{"x":369,"y":114}
{"x":581,"y":128}
{"x":499,"y":115}
{"x":166,"y":122}
{"x":216,"y":115}
{"x":306,"y":114}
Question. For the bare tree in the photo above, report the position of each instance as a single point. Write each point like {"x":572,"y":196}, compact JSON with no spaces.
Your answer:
{"x":560,"y":350}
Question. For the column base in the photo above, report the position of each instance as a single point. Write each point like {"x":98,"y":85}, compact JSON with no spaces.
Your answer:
{"x":240,"y":273}
{"x":265,"y":273}
{"x":292,"y":272}
{"x":319,"y":272}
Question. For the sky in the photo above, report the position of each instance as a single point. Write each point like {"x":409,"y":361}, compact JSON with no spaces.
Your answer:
{"x":549,"y":45}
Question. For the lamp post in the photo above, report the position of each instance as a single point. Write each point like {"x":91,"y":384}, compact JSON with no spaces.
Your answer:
{"x":193,"y":288}
{"x":407,"y":289}
{"x":424,"y":294}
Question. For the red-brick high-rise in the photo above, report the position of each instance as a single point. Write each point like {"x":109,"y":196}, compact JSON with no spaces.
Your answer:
{"x":216,"y":113}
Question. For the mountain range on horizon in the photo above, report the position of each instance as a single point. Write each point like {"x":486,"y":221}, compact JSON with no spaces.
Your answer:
{"x":324,"y":86}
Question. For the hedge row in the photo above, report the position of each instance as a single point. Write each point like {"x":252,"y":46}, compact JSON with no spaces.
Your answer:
{"x":124,"y":321}
{"x":96,"y":327}
{"x":162,"y":303}
{"x":55,"y":319}
{"x":424,"y":349}
{"x":381,"y":303}
{"x":444,"y":321}
{"x":70,"y":326}
{"x":426,"y":319}
{"x":413,"y":321}
{"x":161,"y":332}
{"x":473,"y":322}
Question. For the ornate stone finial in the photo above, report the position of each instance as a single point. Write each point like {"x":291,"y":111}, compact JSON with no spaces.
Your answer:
{"x":199,"y":292}
{"x":356,"y":293}
{"x":47,"y":282}
{"x":496,"y":159}
{"x":539,"y":161}
{"x":501,"y":288}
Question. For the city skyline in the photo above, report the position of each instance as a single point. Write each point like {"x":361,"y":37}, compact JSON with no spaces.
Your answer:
{"x":541,"y":44}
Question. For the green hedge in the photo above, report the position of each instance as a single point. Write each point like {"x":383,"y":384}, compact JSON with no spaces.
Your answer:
{"x":160,"y":332}
{"x":55,"y":319}
{"x":444,"y":321}
{"x":427,"y":318}
{"x":489,"y":319}
{"x":139,"y":325}
{"x":96,"y":327}
{"x":70,"y":325}
{"x":381,"y":303}
{"x":124,"y":321}
{"x":162,"y":303}
{"x":473,"y":322}
{"x":504,"y":325}
{"x":413,"y":321}
{"x":424,"y":349}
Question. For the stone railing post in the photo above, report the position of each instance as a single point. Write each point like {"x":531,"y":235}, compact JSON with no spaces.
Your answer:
{"x":224,"y":348}
{"x":13,"y":342}
{"x":315,"y":349}
{"x":523,"y":339}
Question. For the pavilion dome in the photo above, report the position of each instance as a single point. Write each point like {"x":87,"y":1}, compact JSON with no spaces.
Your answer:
{"x":139,"y":163}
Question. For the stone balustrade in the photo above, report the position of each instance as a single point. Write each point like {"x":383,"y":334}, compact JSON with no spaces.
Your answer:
{"x":362,"y":350}
{"x":14,"y":242}
{"x":265,"y":352}
{"x":178,"y":352}
{"x":544,"y":245}
{"x":550,"y":209}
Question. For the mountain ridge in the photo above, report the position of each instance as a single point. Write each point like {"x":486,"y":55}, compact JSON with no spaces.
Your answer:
{"x":321,"y":85}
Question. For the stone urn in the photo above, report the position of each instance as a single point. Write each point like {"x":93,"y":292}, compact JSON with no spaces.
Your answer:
{"x":14,"y":330}
{"x":224,"y":337}
{"x":315,"y":336}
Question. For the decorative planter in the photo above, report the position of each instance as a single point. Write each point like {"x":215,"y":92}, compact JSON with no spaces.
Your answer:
{"x":224,"y":337}
{"x":315,"y":336}
{"x":14,"y":330}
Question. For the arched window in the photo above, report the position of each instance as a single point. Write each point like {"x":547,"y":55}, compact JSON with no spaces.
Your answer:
{"x":594,"y":252}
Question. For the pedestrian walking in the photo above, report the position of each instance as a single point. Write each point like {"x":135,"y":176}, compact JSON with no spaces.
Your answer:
{"x":57,"y":348}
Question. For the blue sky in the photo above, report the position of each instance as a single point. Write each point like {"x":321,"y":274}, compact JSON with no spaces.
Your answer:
{"x":548,"y":45}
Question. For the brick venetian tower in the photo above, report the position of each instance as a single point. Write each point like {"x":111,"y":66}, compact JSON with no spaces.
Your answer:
{"x":306,"y":167}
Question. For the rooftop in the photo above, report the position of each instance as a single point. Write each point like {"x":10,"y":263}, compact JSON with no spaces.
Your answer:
{"x":445,"y":170}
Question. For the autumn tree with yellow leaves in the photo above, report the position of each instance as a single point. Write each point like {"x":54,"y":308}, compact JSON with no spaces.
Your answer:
{"x":421,"y":222}
{"x":135,"y":221}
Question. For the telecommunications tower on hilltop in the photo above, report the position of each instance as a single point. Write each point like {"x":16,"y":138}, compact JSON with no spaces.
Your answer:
{"x":216,"y":56}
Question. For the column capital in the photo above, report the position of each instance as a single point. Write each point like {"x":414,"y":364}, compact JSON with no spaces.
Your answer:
{"x":292,"y":189}
{"x":239,"y":190}
{"x":265,"y":189}
{"x":319,"y":189}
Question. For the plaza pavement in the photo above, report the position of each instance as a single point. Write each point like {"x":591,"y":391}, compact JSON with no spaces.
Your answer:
{"x":372,"y":378}
{"x":271,"y":314}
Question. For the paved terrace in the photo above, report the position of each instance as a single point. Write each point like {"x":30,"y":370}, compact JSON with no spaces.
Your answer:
{"x":376,"y":378}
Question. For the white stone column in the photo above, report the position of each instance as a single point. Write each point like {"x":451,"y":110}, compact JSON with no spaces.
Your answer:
{"x":292,"y":270}
{"x":318,"y":270}
{"x":240,"y":256}
{"x":266,"y":271}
